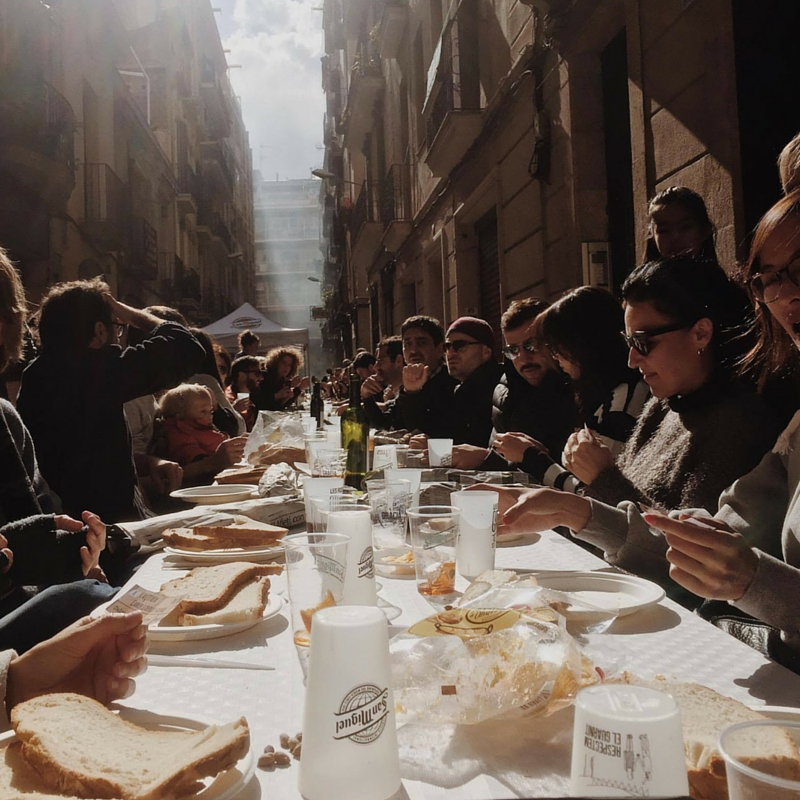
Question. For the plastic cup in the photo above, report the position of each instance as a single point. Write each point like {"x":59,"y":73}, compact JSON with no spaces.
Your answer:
{"x":389,"y":501}
{"x":315,"y":488}
{"x":359,"y":582}
{"x":349,"y":730}
{"x":477,"y":531}
{"x":434,"y":534}
{"x":627,"y":742}
{"x":753,"y":767}
{"x":316,"y":564}
{"x":334,"y":434}
{"x":309,"y":424}
{"x":440,"y":452}
{"x":414,"y":476}
{"x":384,"y":457}
{"x":324,"y":460}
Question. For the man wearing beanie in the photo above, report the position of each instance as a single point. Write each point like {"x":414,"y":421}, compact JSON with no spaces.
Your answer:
{"x":468,"y":350}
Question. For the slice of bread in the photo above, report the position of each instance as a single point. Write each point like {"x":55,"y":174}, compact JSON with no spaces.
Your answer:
{"x":18,"y":781}
{"x":247,"y":605}
{"x":269,"y":453}
{"x":113,"y":758}
{"x":207,"y":589}
{"x":249,"y":475}
{"x":704,"y":715}
{"x":207,"y":537}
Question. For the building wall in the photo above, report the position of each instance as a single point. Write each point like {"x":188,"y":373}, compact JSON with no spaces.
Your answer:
{"x":129,"y":80}
{"x":523,"y":133}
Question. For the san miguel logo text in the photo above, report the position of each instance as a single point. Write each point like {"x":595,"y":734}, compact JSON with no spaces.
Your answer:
{"x":366,"y":564}
{"x":362,"y":714}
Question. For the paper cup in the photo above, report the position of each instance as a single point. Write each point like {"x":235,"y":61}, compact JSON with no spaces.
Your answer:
{"x":359,"y":583}
{"x":309,"y":424}
{"x":334,"y":434}
{"x":314,"y":488}
{"x":627,"y":742}
{"x":753,"y":765}
{"x":316,"y":565}
{"x":440,"y":452}
{"x":384,"y":457}
{"x":477,"y":531}
{"x":349,"y":730}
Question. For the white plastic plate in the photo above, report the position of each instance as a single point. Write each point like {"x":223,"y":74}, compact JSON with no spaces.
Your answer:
{"x":211,"y":495}
{"x":627,"y":593}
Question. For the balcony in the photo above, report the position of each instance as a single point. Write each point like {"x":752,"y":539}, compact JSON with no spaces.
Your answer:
{"x":189,"y":190}
{"x":104,"y":199}
{"x":333,"y":25}
{"x":454,"y":116}
{"x":218,"y":163}
{"x":144,"y":249}
{"x":366,"y":86}
{"x":37,"y":128}
{"x":217,"y":100}
{"x":212,"y":227}
{"x":396,"y":210}
{"x":366,"y":227}
{"x":394,"y":21}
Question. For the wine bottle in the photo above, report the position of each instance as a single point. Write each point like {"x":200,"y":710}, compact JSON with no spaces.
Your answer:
{"x":355,"y":430}
{"x":317,"y":406}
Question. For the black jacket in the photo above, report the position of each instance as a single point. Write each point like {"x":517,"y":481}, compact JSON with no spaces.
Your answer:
{"x":388,"y":418}
{"x":471,"y":415}
{"x":545,"y":412}
{"x":430,"y":410}
{"x":72,"y":405}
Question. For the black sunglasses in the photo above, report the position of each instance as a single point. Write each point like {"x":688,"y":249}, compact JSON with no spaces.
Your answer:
{"x":512,"y":351}
{"x":641,"y":341}
{"x":458,"y":345}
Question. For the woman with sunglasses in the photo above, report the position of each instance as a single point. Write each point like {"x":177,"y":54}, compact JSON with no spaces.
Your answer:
{"x":684,"y":334}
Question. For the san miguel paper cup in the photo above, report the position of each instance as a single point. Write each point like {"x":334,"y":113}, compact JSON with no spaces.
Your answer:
{"x":359,"y":582}
{"x":349,"y":730}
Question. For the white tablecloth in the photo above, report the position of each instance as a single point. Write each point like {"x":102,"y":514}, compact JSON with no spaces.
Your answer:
{"x":529,"y":760}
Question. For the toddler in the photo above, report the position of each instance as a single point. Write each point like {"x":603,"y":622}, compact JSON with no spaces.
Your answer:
{"x":189,"y":432}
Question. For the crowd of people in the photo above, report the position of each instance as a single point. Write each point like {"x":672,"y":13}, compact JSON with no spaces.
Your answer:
{"x":660,"y":428}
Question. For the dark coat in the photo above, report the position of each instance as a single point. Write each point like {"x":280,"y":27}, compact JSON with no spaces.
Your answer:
{"x":430,"y":410}
{"x":72,"y":405}
{"x":471,"y":413}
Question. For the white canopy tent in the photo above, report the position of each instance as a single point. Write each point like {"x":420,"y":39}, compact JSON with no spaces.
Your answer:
{"x":226,"y":330}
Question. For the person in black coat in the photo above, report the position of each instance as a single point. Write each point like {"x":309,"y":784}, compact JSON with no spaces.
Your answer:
{"x":72,"y":394}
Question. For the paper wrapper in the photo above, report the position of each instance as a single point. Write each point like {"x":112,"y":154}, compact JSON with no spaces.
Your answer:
{"x":466,"y":666}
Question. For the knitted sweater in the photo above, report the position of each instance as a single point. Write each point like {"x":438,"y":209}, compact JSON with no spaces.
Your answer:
{"x":682,"y":454}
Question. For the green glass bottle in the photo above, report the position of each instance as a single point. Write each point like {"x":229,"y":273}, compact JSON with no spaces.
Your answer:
{"x":355,"y":432}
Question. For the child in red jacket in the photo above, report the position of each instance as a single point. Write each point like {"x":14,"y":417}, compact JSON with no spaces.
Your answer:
{"x":189,"y":432}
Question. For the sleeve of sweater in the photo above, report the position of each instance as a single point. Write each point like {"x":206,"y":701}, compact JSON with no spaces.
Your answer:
{"x":6,"y":657}
{"x":412,"y":406}
{"x":612,"y":487}
{"x":169,"y":355}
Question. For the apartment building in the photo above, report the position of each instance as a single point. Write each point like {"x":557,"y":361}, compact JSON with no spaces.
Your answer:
{"x":288,"y":260}
{"x":484,"y":150}
{"x":123,"y":152}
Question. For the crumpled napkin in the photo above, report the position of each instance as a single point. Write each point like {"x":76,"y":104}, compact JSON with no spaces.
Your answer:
{"x":279,"y":480}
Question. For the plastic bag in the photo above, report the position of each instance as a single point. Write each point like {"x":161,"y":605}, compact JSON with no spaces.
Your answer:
{"x":276,"y":437}
{"x":468,"y":665}
{"x":278,"y":480}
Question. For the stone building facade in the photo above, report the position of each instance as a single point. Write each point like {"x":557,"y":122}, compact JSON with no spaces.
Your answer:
{"x":123,"y":152}
{"x":486,"y":150}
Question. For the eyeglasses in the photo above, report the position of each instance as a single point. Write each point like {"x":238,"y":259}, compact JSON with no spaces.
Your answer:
{"x":642,"y":341}
{"x":513,"y":351}
{"x":767,"y":286}
{"x":458,"y":345}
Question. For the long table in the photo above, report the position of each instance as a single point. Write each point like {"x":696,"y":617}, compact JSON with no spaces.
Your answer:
{"x":529,"y":758}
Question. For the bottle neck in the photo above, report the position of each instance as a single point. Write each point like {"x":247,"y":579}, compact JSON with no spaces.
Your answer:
{"x":355,"y":392}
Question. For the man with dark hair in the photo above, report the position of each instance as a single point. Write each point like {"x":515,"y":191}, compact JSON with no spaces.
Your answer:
{"x":425,"y":401}
{"x":72,"y":394}
{"x":380,"y":390}
{"x":364,"y":365}
{"x":246,"y":377}
{"x":533,"y":400}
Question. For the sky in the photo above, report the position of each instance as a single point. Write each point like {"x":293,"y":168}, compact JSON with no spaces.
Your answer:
{"x":279,"y":44}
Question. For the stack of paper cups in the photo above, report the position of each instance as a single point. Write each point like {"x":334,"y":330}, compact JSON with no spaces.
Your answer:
{"x":349,"y":732}
{"x":314,"y":488}
{"x":359,"y":582}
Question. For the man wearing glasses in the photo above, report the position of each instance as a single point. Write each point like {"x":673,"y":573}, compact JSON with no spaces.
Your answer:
{"x":532,"y":401}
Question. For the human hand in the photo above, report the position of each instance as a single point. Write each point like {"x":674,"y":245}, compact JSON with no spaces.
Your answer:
{"x":304,"y":383}
{"x":419,"y":441}
{"x":243,"y":406}
{"x":415,"y":376}
{"x":468,"y":456}
{"x":95,"y":537}
{"x":709,"y":558}
{"x":286,"y":393}
{"x":585,"y":456}
{"x":538,"y":509}
{"x":95,"y":657}
{"x":7,"y":553}
{"x":371,"y":387}
{"x":230,"y":451}
{"x":166,"y":475}
{"x":513,"y":445}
